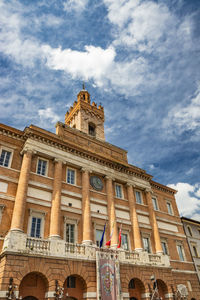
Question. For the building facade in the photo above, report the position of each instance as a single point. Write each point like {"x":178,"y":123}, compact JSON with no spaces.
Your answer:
{"x":57,"y":192}
{"x":192,"y":231}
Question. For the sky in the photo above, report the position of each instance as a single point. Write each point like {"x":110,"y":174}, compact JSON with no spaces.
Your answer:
{"x":140,"y":59}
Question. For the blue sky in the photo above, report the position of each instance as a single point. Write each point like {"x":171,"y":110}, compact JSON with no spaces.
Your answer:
{"x":139,"y":59}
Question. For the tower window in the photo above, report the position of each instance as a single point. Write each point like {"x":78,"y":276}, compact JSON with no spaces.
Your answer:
{"x":92,"y":129}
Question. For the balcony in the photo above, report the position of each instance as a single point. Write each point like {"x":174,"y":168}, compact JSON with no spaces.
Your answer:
{"x":18,"y":242}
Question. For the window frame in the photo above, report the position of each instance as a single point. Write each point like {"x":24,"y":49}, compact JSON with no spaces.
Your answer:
{"x":47,"y":166}
{"x":182,"y":256}
{"x":2,"y":207}
{"x":7,"y":149}
{"x":138,"y":191}
{"x":39,"y":215}
{"x":71,"y":284}
{"x":195,"y":250}
{"x":128,"y":240}
{"x":71,"y":222}
{"x":155,"y":204}
{"x":71,"y":169}
{"x":121,"y":189}
{"x":164,"y":241}
{"x":94,"y":127}
{"x":189,"y":229}
{"x":170,"y":211}
{"x":146,"y":236}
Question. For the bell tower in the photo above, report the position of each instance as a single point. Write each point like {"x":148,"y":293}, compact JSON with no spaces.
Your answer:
{"x":86,"y":117}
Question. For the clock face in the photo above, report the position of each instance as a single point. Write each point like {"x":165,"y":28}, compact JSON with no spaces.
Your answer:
{"x":96,"y":183}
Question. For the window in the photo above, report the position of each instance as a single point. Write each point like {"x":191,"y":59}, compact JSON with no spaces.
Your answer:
{"x":169,"y":208}
{"x":125,"y":241}
{"x":70,"y":233}
{"x":91,"y":129}
{"x":5,"y":158}
{"x":164,"y":247}
{"x":138,"y":197}
{"x":155,"y":204}
{"x":189,"y":230}
{"x":131,"y":284}
{"x":36,"y":223}
{"x":1,"y":211}
{"x":180,"y":252}
{"x":70,"y":176}
{"x":71,"y":282}
{"x":146,"y":244}
{"x":98,"y":236}
{"x":42,"y":167}
{"x":36,"y":227}
{"x":195,"y":253}
{"x":118,"y":191}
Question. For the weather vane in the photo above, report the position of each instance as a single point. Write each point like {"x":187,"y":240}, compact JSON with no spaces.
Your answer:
{"x":83,"y":85}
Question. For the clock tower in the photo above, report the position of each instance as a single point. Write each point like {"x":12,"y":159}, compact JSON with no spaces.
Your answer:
{"x":86,"y":117}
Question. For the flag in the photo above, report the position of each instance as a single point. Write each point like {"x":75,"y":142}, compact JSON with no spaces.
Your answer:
{"x":109,"y":242}
{"x":101,"y":241}
{"x":120,"y":237}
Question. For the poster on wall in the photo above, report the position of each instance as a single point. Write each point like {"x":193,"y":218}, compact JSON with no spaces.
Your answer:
{"x":108,"y":280}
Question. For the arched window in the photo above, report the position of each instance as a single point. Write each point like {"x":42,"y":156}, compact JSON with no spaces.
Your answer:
{"x":131,"y":284}
{"x":92,"y":129}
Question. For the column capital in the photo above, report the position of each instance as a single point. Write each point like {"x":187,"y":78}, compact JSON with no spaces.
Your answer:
{"x":84,"y":169}
{"x":107,"y":177}
{"x":149,"y":190}
{"x":28,"y":150}
{"x":57,"y":159}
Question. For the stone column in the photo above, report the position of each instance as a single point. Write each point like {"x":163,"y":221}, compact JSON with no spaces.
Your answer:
{"x":134,"y":220}
{"x":87,"y":225}
{"x":56,"y":201}
{"x":20,"y":199}
{"x":153,"y":222}
{"x":111,"y":212}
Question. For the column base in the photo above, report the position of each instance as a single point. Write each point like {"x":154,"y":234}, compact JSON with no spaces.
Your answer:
{"x":114,"y":246}
{"x":159,"y":252}
{"x":54,"y":237}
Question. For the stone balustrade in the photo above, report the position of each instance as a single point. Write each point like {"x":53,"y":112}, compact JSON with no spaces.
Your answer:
{"x":19,"y":243}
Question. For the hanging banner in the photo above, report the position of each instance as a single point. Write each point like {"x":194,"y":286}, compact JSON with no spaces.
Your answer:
{"x":108,"y":280}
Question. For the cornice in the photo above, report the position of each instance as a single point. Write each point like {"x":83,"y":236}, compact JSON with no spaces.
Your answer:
{"x":55,"y":141}
{"x":11,"y":132}
{"x":162,"y":188}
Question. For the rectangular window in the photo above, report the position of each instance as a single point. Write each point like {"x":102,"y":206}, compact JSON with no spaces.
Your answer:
{"x":180,"y":252}
{"x":169,"y":208}
{"x":118,"y":191}
{"x":155,"y":204}
{"x":70,"y":233}
{"x":42,"y":167}
{"x":164,"y":247}
{"x":71,"y":282}
{"x":70,"y":176}
{"x":36,"y":227}
{"x":124,"y":241}
{"x":98,"y":236}
{"x":138,"y":197}
{"x":195,"y":251}
{"x":5,"y":158}
{"x":146,"y":244}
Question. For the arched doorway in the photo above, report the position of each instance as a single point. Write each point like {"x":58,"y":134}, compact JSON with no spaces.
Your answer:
{"x":136,"y":289}
{"x":33,"y":286}
{"x":74,"y":287}
{"x":162,"y":288}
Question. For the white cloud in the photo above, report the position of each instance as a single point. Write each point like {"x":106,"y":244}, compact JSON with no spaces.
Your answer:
{"x":12,"y":43}
{"x":75,"y":5}
{"x":93,"y":63}
{"x":188,"y":199}
{"x":185,"y":117}
{"x":48,"y":114}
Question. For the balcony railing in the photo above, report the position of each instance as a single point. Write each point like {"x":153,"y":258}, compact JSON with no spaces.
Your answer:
{"x":20,"y":243}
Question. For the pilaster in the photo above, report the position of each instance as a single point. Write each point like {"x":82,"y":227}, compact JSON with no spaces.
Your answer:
{"x":86,"y":207}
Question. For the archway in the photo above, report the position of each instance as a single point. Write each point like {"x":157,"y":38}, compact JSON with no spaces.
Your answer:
{"x":74,"y":287}
{"x":162,"y":288}
{"x":136,"y":289}
{"x":33,"y":286}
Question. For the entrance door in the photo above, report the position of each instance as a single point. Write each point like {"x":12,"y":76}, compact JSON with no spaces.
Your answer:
{"x":29,"y":298}
{"x":133,"y":298}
